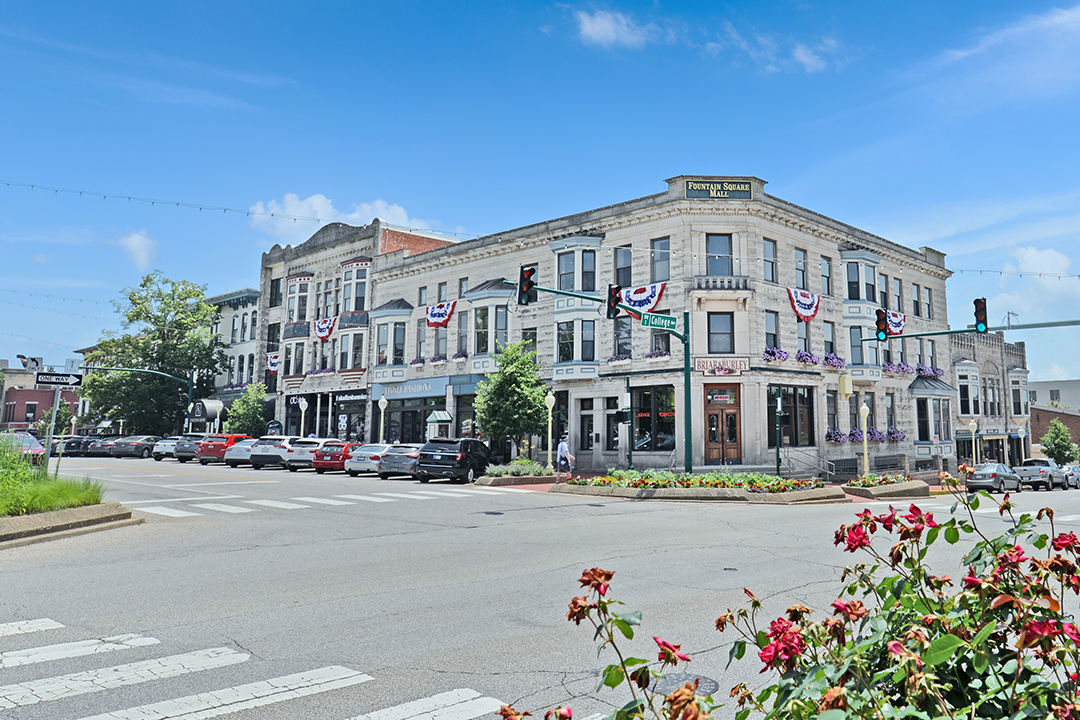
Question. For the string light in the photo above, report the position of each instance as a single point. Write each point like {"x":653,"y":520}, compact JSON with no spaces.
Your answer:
{"x":53,"y":297}
{"x":58,"y":312}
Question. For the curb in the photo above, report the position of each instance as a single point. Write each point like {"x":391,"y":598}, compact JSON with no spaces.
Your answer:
{"x":514,"y":480}
{"x":911,"y":488}
{"x":796,"y":497}
{"x":40,"y":527}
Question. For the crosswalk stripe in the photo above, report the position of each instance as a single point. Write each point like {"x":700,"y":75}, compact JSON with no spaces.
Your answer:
{"x":438,"y":493}
{"x":365,"y":498}
{"x":277,"y":504}
{"x":463,"y":704}
{"x":15,"y":658}
{"x":456,"y":492}
{"x":501,"y":488}
{"x":407,"y":497}
{"x":323,"y":501}
{"x":224,"y":508}
{"x":242,"y":697}
{"x":65,"y":686}
{"x":19,"y":627}
{"x":168,"y":511}
{"x":473,"y":491}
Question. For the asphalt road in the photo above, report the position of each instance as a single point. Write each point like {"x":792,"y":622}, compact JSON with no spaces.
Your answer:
{"x":324,"y":596}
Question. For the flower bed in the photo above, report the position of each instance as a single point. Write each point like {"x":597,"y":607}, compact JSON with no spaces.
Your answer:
{"x":871,"y":480}
{"x":518,"y":468}
{"x":750,"y":482}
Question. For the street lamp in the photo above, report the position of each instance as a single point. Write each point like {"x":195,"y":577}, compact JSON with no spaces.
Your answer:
{"x":382,"y":419}
{"x":549,"y":401}
{"x":973,"y":426}
{"x":303,"y":412}
{"x":1022,"y":433}
{"x":864,"y":412}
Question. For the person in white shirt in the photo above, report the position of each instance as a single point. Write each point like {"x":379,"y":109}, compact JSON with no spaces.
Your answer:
{"x":563,"y":460}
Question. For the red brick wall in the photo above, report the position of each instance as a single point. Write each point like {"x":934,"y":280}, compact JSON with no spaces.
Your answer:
{"x":44,"y":400}
{"x":396,"y":240}
{"x":1041,"y":417}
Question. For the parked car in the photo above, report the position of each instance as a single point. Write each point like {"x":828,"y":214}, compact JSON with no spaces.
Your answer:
{"x":301,"y":454}
{"x":59,"y":441}
{"x":994,"y":477}
{"x":88,"y":440}
{"x":187,"y":447}
{"x":463,"y":459}
{"x":164,"y":447}
{"x":399,"y":460}
{"x":1042,"y":472}
{"x":1072,"y":476}
{"x":101,"y":446}
{"x":73,"y":446}
{"x":213,"y":448}
{"x":239,"y":453}
{"x":26,"y":445}
{"x":332,"y":455}
{"x":134,"y":446}
{"x":271,"y":450}
{"x":365,"y":458}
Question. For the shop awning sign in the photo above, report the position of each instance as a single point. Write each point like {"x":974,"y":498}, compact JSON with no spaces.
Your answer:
{"x":726,"y":365}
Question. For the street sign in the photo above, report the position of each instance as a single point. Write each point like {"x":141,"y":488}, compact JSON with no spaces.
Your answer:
{"x":63,"y":379}
{"x":652,"y":320}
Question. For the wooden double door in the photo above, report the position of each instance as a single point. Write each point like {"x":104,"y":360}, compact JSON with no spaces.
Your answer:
{"x":723,"y":426}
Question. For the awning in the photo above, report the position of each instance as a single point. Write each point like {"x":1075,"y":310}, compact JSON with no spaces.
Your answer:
{"x":438,"y":416}
{"x":931,"y":387}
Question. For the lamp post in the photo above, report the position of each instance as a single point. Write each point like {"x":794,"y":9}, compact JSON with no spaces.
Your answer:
{"x":864,"y":412}
{"x":779,"y":439}
{"x":549,"y":401}
{"x":1022,"y":433}
{"x":382,"y":419}
{"x":973,"y":426}
{"x":303,"y":412}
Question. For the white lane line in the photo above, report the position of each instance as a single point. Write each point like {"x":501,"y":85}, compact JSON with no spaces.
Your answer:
{"x":463,"y":704}
{"x":440,"y":493}
{"x":224,"y":508}
{"x":365,"y":498}
{"x":227,"y":482}
{"x":20,"y":627}
{"x":242,"y":697}
{"x":170,"y":512}
{"x":184,"y":499}
{"x":477,"y":492}
{"x":15,"y":658}
{"x":65,"y":686}
{"x":277,"y":504}
{"x":407,"y":497}
{"x":323,"y":501}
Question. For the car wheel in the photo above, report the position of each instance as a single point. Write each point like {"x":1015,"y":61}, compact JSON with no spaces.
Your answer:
{"x":293,"y":469}
{"x":145,"y":453}
{"x":256,"y":466}
{"x":1019,"y":486}
{"x":203,"y":461}
{"x":181,"y":460}
{"x":1000,"y":486}
{"x":233,"y":464}
{"x":157,"y":458}
{"x":424,"y":478}
{"x":320,"y":471}
{"x":353,"y":473}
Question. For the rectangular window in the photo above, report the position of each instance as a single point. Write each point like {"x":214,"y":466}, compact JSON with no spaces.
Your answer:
{"x":769,"y":260}
{"x":661,"y":339}
{"x":856,"y":346}
{"x":343,"y":358}
{"x":901,"y":344}
{"x":853,"y":411}
{"x":871,"y":416}
{"x":480,"y":346}
{"x":936,"y":417}
{"x":588,"y":270}
{"x":870,"y":275}
{"x":898,"y":294}
{"x":382,"y":344}
{"x":301,"y":308}
{"x":360,"y":296}
{"x":235,"y":329}
{"x":975,"y":398}
{"x":830,"y":337}
{"x":442,"y":293}
{"x":463,"y":331}
{"x":298,"y":359}
{"x":611,"y":437}
{"x":399,"y":343}
{"x":566,"y":271}
{"x":421,"y":337}
{"x":291,"y":317}
{"x":528,"y":336}
{"x":346,"y":298}
{"x":800,"y":269}
{"x":946,"y":421}
{"x":796,"y":416}
{"x":965,"y":400}
{"x":1017,"y":408}
{"x":826,"y":276}
{"x":922,"y":418}
{"x":588,"y":340}
{"x":887,"y":352}
{"x":853,"y":281}
{"x":500,"y":326}
{"x":831,"y":416}
{"x":653,"y":418}
{"x":421,"y":297}
{"x":721,"y":333}
{"x":661,"y":260}
{"x":440,"y":342}
{"x":565,"y":332}
{"x":718,"y":254}
{"x":883,"y":291}
{"x":624,"y":261}
{"x":803,"y":330}
{"x":772,"y":329}
{"x":273,"y":337}
{"x":275,"y":292}
{"x":287,"y":363}
{"x":623,"y":344}
{"x":929,"y":303}
{"x":930,"y":356}
{"x":919,"y":351}
{"x":890,"y":411}
{"x":916,"y":308}
{"x":1055,"y":396}
{"x":585,"y":426}
{"x":31,"y":407}
{"x":462,"y":287}
{"x":358,"y":351}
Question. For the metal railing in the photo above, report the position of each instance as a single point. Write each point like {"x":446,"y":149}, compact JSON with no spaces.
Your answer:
{"x":799,"y":461}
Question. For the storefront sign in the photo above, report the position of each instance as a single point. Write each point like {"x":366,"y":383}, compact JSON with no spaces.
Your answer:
{"x":722,"y":365}
{"x":353,"y":396}
{"x":700,"y":190}
{"x":435,"y":387}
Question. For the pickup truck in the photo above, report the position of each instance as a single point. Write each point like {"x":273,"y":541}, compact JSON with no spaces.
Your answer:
{"x":1041,"y":472}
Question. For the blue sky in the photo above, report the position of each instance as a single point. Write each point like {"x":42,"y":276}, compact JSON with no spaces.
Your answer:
{"x":953,"y":125}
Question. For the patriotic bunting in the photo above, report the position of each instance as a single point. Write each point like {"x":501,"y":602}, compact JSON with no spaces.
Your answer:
{"x":896,"y":322}
{"x":324,"y":327}
{"x":643,"y":299}
{"x":439,"y":315}
{"x":805,"y":304}
{"x":272,"y":362}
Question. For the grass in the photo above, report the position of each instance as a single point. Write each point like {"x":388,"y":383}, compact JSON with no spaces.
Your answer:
{"x":25,"y":488}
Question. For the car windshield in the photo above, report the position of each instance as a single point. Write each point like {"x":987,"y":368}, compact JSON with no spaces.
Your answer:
{"x":986,"y":467}
{"x":245,"y":443}
{"x":333,"y":447}
{"x":402,"y":449}
{"x":22,"y":441}
{"x":373,"y":448}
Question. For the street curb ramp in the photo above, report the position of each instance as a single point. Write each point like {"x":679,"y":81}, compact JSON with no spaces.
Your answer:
{"x":39,"y":527}
{"x":814,"y":495}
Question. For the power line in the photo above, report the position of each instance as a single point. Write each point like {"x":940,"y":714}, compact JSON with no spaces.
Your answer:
{"x":59,"y":312}
{"x":53,"y":297}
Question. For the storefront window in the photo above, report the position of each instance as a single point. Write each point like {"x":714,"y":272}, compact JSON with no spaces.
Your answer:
{"x":796,"y":415}
{"x":653,"y":414}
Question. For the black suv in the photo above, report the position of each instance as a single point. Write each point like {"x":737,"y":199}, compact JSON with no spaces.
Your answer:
{"x":463,"y":460}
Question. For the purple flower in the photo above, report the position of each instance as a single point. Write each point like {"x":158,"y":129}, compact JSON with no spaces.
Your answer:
{"x":459,"y":355}
{"x":875,"y":435}
{"x":900,"y":367}
{"x":774,"y":354}
{"x":855,"y":435}
{"x":417,"y":361}
{"x":925,"y":371}
{"x":807,"y":358}
{"x":437,"y":358}
{"x":894,"y":435}
{"x":319,"y":371}
{"x":617,"y":358}
{"x":836,"y":436}
{"x":657,"y":354}
{"x":834,"y":360}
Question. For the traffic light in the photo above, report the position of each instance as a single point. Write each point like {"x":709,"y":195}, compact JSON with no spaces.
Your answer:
{"x":980,"y":315}
{"x":614,"y":297}
{"x":882,"y":326}
{"x":526,"y":283}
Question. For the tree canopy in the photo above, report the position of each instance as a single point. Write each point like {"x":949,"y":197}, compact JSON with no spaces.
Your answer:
{"x":510,"y":401}
{"x":63,"y":421}
{"x":246,"y":414}
{"x":1057,"y":444}
{"x":170,"y":329}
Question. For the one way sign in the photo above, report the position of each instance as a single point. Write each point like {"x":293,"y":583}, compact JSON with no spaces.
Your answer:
{"x":64,"y":379}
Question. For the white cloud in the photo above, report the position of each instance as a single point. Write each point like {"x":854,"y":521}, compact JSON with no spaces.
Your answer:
{"x":613,"y":29}
{"x":808,"y":58}
{"x":1056,"y":372}
{"x":141,"y":249}
{"x":772,"y":52}
{"x":321,"y":207}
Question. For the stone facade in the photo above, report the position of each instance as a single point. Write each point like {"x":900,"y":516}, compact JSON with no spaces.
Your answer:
{"x":991,"y":378}
{"x":238,"y":328}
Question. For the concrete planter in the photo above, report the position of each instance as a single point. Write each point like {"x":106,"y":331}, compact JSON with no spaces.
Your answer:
{"x":515,"y":480}
{"x":815,"y":495}
{"x":911,"y":488}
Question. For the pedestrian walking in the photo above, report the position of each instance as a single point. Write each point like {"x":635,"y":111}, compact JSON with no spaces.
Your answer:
{"x":563,"y":460}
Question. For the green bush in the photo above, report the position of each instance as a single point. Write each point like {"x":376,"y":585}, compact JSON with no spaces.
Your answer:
{"x":871,"y":480}
{"x":653,"y":478}
{"x":517,"y":468}
{"x":25,"y":488}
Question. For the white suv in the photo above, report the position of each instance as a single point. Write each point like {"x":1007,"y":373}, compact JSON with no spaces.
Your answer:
{"x":301,"y":454}
{"x":271,"y":450}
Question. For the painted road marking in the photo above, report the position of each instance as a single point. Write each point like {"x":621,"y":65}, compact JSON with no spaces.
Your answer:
{"x":440,"y":493}
{"x":499,"y":488}
{"x":463,"y":704}
{"x":81,"y":683}
{"x":242,"y":697}
{"x":20,"y":627}
{"x":224,"y":508}
{"x":170,"y":512}
{"x":323,"y":501}
{"x":407,"y":497}
{"x":15,"y":658}
{"x":365,"y":498}
{"x":476,"y":492}
{"x":277,"y":504}
{"x":184,"y":499}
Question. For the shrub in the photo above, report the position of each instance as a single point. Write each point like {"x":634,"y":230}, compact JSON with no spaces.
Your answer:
{"x":25,"y":488}
{"x":518,"y":467}
{"x":653,"y":478}
{"x":871,"y":480}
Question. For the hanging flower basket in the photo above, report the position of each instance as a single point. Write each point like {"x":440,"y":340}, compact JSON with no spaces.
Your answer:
{"x":620,"y":359}
{"x":807,"y":358}
{"x":774,"y":355}
{"x":657,"y":355}
{"x":832,"y":361}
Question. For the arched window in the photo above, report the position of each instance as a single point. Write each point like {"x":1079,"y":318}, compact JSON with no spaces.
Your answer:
{"x":251,"y":367}
{"x":240,"y":369}
{"x":235,"y":328}
{"x":243,"y":328}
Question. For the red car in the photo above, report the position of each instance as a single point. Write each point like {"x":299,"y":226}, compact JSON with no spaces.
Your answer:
{"x":214,"y":447}
{"x":26,"y":445}
{"x":332,"y":456}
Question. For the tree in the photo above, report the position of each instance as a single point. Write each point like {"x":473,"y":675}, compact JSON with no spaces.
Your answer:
{"x":1057,"y":444}
{"x":510,"y":401}
{"x":63,"y":421}
{"x":246,"y":414}
{"x":170,"y":330}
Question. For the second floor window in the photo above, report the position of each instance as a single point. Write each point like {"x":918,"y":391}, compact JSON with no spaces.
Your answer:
{"x":772,"y":331}
{"x":916,"y":308}
{"x":829,"y":330}
{"x":481,"y":346}
{"x":853,"y":281}
{"x":588,"y":270}
{"x":856,"y":346}
{"x":399,"y":343}
{"x":463,"y":331}
{"x":623,"y":329}
{"x":803,"y":330}
{"x":661,"y":263}
{"x":421,"y":337}
{"x":382,"y":344}
{"x":718,"y":254}
{"x":883,"y":291}
{"x":441,"y":295}
{"x":275,"y":292}
{"x":870,"y":275}
{"x":721,"y":333}
{"x":929,"y":303}
{"x":588,"y":340}
{"x":769,"y":257}
{"x":826,"y":276}
{"x":624,"y":266}
{"x":565,"y":335}
{"x":500,"y":326}
{"x":566,"y":271}
{"x":800,"y":269}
